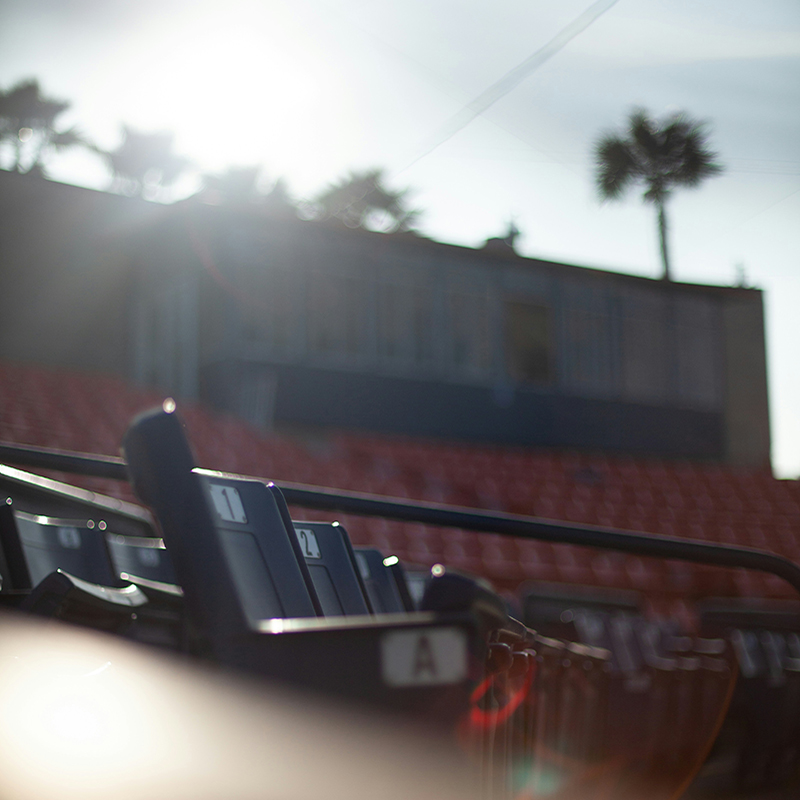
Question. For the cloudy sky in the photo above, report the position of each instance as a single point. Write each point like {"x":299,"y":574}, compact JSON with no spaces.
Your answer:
{"x":313,"y":88}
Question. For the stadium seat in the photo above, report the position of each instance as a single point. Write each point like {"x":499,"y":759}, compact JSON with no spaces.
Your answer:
{"x":379,"y":581}
{"x":63,"y":596}
{"x":333,"y":568}
{"x":137,"y":558}
{"x":36,"y":545}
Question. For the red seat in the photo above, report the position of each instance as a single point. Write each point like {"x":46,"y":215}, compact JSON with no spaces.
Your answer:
{"x":608,"y":570}
{"x":540,"y":565}
{"x":699,"y":501}
{"x":574,"y":564}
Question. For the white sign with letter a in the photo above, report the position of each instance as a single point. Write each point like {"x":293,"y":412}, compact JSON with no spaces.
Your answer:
{"x":424,"y":657}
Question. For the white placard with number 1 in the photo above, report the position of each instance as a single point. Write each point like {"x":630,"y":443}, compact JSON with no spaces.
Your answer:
{"x":227,"y":503}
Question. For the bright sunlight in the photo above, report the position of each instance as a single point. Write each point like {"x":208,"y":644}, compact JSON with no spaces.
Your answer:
{"x":242,"y":84}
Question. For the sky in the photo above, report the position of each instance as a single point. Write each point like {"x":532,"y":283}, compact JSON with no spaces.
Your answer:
{"x":312,"y":89}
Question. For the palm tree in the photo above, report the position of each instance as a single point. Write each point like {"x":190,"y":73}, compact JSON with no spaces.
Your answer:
{"x":243,"y":186}
{"x":279,"y":199}
{"x":362,"y":201}
{"x":144,"y":161}
{"x":660,"y":154}
{"x":28,"y":123}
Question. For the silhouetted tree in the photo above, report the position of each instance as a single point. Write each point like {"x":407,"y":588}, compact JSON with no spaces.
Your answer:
{"x":660,"y":154}
{"x":28,"y":123}
{"x":361,"y":200}
{"x":235,"y":185}
{"x":279,"y":199}
{"x":145,"y":161}
{"x":238,"y":185}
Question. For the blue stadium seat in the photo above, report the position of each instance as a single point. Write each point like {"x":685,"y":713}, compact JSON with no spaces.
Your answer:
{"x":260,"y":549}
{"x":140,"y":558}
{"x":35,"y":545}
{"x":63,"y":596}
{"x":332,"y":564}
{"x":379,"y":581}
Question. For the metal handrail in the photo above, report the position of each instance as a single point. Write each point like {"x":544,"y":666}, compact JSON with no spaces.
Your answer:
{"x":426,"y":513}
{"x":64,"y":461}
{"x":642,"y":544}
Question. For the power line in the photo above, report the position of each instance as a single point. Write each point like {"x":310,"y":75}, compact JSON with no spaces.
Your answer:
{"x":511,"y":79}
{"x":771,"y":206}
{"x":438,"y":82}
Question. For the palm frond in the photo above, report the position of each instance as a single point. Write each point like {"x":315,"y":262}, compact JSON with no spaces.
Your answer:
{"x":23,"y":106}
{"x":68,"y":138}
{"x":359,"y":198}
{"x":697,"y":160}
{"x":617,"y":167}
{"x":643,"y":135}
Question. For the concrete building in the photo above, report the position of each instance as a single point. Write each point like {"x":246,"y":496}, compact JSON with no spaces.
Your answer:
{"x":286,"y":322}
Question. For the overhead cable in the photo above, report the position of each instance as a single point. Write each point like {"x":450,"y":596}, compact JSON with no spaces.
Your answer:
{"x":511,"y":80}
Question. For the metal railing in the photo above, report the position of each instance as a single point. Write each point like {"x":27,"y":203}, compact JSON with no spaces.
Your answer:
{"x":346,"y":502}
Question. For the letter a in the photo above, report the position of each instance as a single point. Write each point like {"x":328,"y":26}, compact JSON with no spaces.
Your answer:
{"x":423,"y":658}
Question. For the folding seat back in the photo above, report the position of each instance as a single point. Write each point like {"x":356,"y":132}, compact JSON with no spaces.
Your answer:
{"x":379,"y":582}
{"x":34,"y":546}
{"x":260,"y":548}
{"x":333,"y":568}
{"x":139,"y":558}
{"x":230,"y":539}
{"x":410,"y":587}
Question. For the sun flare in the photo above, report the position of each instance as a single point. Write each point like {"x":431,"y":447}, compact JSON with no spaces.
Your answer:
{"x":250,"y":86}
